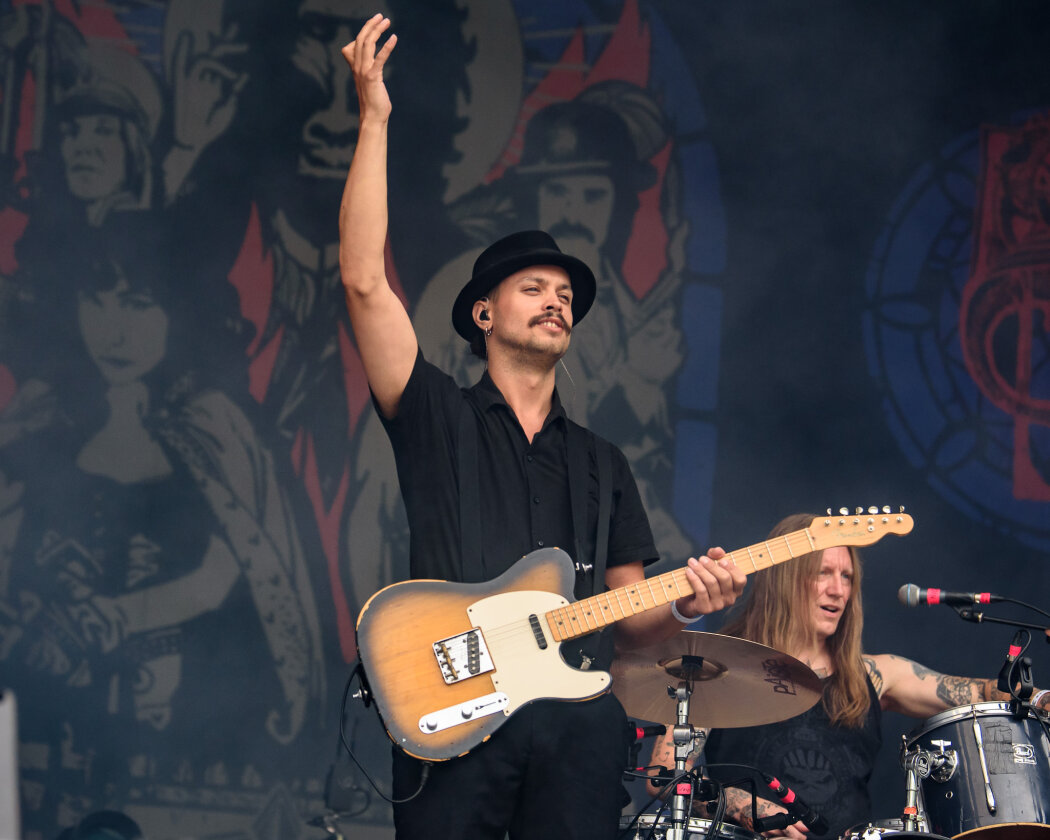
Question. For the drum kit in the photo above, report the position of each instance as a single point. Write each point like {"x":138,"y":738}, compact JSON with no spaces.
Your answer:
{"x":979,"y":772}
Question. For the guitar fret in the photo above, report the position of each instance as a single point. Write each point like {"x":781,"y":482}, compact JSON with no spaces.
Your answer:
{"x":652,"y":597}
{"x":589,"y":615}
{"x":673,"y":580}
{"x":751,"y":557}
{"x":563,"y":624}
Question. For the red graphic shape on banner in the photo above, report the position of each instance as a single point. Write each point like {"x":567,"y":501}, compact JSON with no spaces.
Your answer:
{"x":94,"y":20}
{"x":252,"y":277}
{"x":328,"y":520}
{"x":12,"y":226}
{"x":646,"y":256}
{"x":1007,"y":298}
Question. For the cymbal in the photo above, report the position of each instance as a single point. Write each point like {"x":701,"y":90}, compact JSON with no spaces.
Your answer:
{"x":735,"y":682}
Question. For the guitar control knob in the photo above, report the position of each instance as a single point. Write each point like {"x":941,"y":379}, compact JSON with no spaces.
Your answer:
{"x":467,"y":710}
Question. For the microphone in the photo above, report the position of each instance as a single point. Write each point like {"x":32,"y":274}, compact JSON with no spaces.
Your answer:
{"x":912,"y":596}
{"x":646,"y":731}
{"x":809,"y":818}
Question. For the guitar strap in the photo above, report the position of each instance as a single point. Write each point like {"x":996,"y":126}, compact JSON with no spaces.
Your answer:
{"x":576,"y":443}
{"x":597,"y":646}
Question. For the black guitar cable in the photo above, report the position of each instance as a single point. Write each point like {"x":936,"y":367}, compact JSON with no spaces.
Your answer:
{"x":359,"y":671}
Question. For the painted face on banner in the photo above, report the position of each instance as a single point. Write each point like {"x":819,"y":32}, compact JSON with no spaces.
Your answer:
{"x":330,"y":134}
{"x":125,"y":332}
{"x":577,"y":210}
{"x":94,"y":155}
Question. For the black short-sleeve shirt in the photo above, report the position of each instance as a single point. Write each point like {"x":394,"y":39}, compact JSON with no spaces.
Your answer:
{"x":524,"y":487}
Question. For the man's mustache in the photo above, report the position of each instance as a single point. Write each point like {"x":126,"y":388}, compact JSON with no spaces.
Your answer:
{"x":571,"y":230}
{"x":547,"y":316}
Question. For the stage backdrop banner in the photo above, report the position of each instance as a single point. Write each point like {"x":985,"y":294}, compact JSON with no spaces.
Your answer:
{"x":819,"y":232}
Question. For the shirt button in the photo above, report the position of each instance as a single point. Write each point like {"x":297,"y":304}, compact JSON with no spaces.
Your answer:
{"x":539,"y":543}
{"x":535,"y":500}
{"x":528,"y":458}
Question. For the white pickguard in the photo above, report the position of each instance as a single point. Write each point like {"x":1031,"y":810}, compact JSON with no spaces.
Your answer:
{"x":531,"y":672}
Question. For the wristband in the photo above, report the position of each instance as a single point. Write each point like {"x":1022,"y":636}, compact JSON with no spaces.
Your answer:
{"x":679,"y":616}
{"x":1035,"y":700}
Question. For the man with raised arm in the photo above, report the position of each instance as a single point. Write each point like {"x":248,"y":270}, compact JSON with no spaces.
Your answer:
{"x":535,"y":479}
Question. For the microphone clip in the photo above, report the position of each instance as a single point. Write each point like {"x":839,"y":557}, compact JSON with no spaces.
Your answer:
{"x":1015,"y":677}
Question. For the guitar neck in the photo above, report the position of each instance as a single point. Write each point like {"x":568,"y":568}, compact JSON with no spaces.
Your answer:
{"x":582,"y":617}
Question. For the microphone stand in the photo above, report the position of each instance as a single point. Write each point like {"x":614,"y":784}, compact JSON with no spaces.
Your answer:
{"x":978,"y":617}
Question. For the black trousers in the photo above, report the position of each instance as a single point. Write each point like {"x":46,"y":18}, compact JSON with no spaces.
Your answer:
{"x":553,"y":770}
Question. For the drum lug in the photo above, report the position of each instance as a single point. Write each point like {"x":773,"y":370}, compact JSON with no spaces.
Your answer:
{"x":943,"y":763}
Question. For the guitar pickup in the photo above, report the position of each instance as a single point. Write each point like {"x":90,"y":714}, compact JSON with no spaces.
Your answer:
{"x":462,"y":713}
{"x":462,"y":657}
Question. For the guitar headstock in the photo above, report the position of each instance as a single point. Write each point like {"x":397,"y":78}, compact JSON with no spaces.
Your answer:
{"x":859,"y":527}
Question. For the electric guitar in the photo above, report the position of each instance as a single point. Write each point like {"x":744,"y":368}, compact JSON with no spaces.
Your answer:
{"x":448,"y":663}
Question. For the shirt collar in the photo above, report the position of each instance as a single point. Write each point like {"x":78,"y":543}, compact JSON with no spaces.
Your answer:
{"x":489,"y":395}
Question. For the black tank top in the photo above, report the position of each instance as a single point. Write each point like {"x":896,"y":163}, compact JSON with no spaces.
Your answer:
{"x":827,"y":766}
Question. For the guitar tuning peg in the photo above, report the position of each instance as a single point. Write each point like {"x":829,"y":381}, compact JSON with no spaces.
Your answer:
{"x":843,"y":511}
{"x":873,"y":510}
{"x":901,"y":509}
{"x":860,"y":510}
{"x":829,"y":512}
{"x":885,"y":508}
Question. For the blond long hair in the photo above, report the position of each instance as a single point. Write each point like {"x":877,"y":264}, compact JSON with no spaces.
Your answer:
{"x":769,"y":614}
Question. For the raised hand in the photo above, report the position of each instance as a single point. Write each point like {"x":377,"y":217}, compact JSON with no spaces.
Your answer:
{"x":367,"y":66}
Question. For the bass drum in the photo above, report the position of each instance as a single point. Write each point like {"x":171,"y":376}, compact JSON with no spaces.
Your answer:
{"x":877,"y":829}
{"x":1016,"y":752}
{"x":654,"y":827}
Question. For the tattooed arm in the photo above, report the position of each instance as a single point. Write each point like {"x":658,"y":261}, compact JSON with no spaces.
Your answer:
{"x":738,"y":802}
{"x":912,"y":689}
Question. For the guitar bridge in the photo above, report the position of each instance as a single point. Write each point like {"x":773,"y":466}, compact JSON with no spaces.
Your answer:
{"x":462,"y":657}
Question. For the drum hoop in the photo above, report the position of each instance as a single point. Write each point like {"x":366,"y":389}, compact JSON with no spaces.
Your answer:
{"x":700,"y":824}
{"x":956,"y":714}
{"x":973,"y":832}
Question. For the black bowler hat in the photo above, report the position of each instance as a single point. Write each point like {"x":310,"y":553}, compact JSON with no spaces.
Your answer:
{"x":511,"y":254}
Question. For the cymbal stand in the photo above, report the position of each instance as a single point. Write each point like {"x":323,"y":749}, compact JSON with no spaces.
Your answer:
{"x":685,"y":736}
